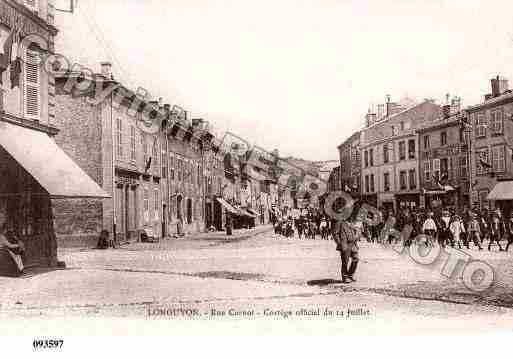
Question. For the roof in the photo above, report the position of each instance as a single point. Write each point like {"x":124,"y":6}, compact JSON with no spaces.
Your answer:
{"x":505,"y":96}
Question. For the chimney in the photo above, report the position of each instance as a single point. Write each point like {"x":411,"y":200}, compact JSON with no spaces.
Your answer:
{"x":455,"y":105}
{"x":106,"y":69}
{"x":381,"y":111}
{"x":499,"y":86}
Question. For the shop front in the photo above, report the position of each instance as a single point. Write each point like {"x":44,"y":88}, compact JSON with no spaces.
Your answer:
{"x":407,"y":200}
{"x":441,"y":197}
{"x":34,"y":171}
{"x":502,"y":194}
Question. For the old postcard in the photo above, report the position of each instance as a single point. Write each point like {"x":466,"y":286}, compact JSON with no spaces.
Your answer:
{"x":294,"y":167}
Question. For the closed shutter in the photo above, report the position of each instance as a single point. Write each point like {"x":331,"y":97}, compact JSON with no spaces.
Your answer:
{"x":32,"y":86}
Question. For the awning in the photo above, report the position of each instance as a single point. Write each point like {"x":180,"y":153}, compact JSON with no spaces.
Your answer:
{"x":228,"y":206}
{"x":439,"y":190}
{"x":252,"y":212}
{"x":502,"y":191}
{"x":40,"y":156}
{"x":246,"y":213}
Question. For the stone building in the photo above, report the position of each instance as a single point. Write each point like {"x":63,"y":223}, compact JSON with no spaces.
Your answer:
{"x":491,"y":123}
{"x":35,"y":172}
{"x":350,"y":165}
{"x":444,"y":159}
{"x":390,"y":154}
{"x":111,"y":143}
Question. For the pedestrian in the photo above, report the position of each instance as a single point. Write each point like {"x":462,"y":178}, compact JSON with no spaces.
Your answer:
{"x":496,"y":230}
{"x":484,"y":220}
{"x":10,"y":243}
{"x":474,"y":231}
{"x":444,"y":235}
{"x":391,"y":222}
{"x":323,"y":228}
{"x":429,"y":228}
{"x":346,"y":239}
{"x":457,"y":229}
{"x":509,"y":231}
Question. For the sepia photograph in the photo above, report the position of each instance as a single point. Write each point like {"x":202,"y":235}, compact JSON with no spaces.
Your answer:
{"x":279,"y":167}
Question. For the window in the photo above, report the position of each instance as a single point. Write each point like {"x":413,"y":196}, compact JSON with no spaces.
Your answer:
{"x":119,"y":137}
{"x":496,"y":124}
{"x":146,"y":205}
{"x":498,"y":158}
{"x":483,"y":202}
{"x":371,"y":157}
{"x":463,"y":167}
{"x":394,"y":130}
{"x":144,"y":144}
{"x":156,"y":206}
{"x":482,"y":157}
{"x":132,"y":143}
{"x":171,"y":167}
{"x":427,"y":171}
{"x":426,"y":141}
{"x":436,"y":168}
{"x":367,"y":183}
{"x":402,"y":125}
{"x":164,"y":163}
{"x":444,"y":167}
{"x":155,"y":154}
{"x":443,"y":138}
{"x":411,"y":149}
{"x":402,"y":151}
{"x":366,"y":158}
{"x":413,"y":179}
{"x":386,"y":182}
{"x":32,"y":5}
{"x":402,"y":180}
{"x":372,"y":182}
{"x":462,"y":135}
{"x":32,"y":85}
{"x":481,"y":125}
{"x":385,"y":153}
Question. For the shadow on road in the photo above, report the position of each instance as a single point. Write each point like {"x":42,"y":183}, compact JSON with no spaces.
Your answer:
{"x":323,"y":282}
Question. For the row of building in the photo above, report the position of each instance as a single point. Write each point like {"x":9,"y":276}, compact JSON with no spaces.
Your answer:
{"x":77,"y":157}
{"x":430,"y":156}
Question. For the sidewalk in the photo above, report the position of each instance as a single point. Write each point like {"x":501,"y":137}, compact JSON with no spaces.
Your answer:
{"x":239,"y":234}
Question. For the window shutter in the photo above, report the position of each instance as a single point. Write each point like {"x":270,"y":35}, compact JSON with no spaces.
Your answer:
{"x":32,"y":86}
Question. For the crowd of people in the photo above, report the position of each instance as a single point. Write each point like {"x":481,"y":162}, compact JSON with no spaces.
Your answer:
{"x":465,"y":229}
{"x":448,"y":228}
{"x":309,"y":226}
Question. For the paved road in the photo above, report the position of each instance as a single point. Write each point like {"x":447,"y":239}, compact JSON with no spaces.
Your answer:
{"x":264,"y":276}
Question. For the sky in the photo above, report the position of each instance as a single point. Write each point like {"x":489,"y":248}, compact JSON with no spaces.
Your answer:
{"x":298,"y":76}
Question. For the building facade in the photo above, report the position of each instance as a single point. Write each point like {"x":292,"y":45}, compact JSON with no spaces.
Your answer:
{"x":444,"y":160}
{"x":390,"y":157}
{"x":350,"y":165}
{"x":491,"y":127}
{"x":35,"y":171}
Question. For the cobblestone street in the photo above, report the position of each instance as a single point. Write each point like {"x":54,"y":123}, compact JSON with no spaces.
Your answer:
{"x":264,"y":275}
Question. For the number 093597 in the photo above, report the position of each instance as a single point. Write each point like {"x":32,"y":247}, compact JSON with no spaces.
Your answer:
{"x":47,"y":343}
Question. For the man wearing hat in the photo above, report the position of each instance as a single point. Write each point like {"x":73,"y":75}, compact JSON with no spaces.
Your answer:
{"x":496,"y":230}
{"x":445,"y":234}
{"x":345,"y":235}
{"x":474,"y":231}
{"x":457,"y":229}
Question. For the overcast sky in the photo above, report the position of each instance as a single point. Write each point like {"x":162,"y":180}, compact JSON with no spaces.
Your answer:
{"x":293,"y":75}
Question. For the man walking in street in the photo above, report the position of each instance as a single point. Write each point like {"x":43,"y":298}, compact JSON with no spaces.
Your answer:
{"x":496,"y":230}
{"x":346,"y":238}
